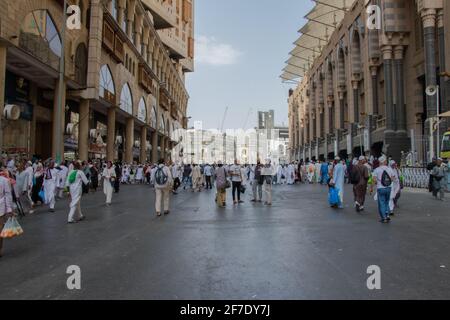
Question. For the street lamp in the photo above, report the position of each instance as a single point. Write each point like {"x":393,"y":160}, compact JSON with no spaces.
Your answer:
{"x":433,"y":90}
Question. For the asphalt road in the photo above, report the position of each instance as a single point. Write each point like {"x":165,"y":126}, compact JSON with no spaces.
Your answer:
{"x":297,"y":249}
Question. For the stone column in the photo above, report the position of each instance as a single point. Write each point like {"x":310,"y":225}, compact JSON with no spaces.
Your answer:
{"x":34,"y":102}
{"x":121,"y":4}
{"x":355,"y":86}
{"x":60,"y":122}
{"x":341,"y":110}
{"x":374,"y":74}
{"x":83,"y":133}
{"x":143,"y":150}
{"x":331,"y":120}
{"x":111,"y":135}
{"x":400,"y":112}
{"x":429,"y":32}
{"x":129,"y":140}
{"x":3,"y":51}
{"x":388,"y":90}
{"x":163,"y":148}
{"x":155,"y":147}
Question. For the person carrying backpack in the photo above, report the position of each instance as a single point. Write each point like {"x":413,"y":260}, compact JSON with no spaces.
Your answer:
{"x":384,"y":178}
{"x":163,"y":179}
{"x":359,"y":176}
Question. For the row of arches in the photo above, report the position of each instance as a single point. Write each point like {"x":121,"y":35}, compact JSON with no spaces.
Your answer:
{"x":107,"y":89}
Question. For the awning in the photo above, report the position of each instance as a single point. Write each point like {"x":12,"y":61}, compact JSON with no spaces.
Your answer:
{"x":323,"y":19}
{"x":445,"y":114}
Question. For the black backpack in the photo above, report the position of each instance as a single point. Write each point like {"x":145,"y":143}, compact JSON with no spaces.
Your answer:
{"x":354,"y":175}
{"x":386,"y":180}
{"x":161,"y":177}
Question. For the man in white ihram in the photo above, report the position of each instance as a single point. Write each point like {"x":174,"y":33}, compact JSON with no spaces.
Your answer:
{"x":163,"y":180}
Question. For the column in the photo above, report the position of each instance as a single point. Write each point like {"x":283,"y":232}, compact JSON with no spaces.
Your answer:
{"x":163,"y":148}
{"x":155,"y":147}
{"x":355,"y":86}
{"x":3,"y":51}
{"x":388,"y":90}
{"x":400,"y":112}
{"x":33,"y":100}
{"x":341,"y":110}
{"x":83,"y":134}
{"x":111,"y":138}
{"x":121,"y":12}
{"x":129,"y":140}
{"x":58,"y":122}
{"x":429,"y":31}
{"x":374,"y":74}
{"x":143,"y":150}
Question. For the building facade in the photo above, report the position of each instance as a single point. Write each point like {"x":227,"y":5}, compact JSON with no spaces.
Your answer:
{"x":123,"y":84}
{"x":363,"y":82}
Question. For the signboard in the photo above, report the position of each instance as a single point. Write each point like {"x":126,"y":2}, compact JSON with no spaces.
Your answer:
{"x":96,"y":148}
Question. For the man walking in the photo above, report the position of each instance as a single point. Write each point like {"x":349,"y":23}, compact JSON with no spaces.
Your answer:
{"x":383,"y":178}
{"x":257,"y":182}
{"x":208,"y":174}
{"x":359,"y":177}
{"x":236,"y":180}
{"x":439,"y":183}
{"x":163,"y":184}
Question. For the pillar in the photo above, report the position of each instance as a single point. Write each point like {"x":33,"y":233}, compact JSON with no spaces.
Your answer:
{"x":341,"y":110}
{"x":34,"y":102}
{"x":163,"y":148}
{"x":143,"y":150}
{"x":400,"y":112}
{"x":429,"y":32}
{"x":83,"y":133}
{"x":121,"y":12}
{"x":388,"y":91}
{"x":374,"y":77}
{"x":355,"y":86}
{"x":129,"y":140}
{"x":58,"y":122}
{"x":111,"y":138}
{"x":3,"y":51}
{"x":155,"y":147}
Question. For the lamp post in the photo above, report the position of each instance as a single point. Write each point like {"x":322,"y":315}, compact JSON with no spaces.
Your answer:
{"x":61,"y":103}
{"x":431,"y":91}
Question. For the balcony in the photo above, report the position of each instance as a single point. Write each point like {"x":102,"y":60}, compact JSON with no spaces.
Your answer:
{"x":119,"y":51}
{"x":177,"y":48}
{"x":164,"y":100}
{"x":145,"y":81}
{"x":164,"y":15}
{"x":187,"y":64}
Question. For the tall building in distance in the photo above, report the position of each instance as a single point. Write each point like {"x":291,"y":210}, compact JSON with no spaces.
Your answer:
{"x":123,"y":90}
{"x":266,"y":119}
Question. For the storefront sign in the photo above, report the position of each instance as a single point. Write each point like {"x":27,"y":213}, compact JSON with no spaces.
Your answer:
{"x":70,"y":143}
{"x":96,"y":148}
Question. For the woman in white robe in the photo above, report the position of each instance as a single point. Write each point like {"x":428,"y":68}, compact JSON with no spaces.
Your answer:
{"x":140,"y":174}
{"x":290,"y":174}
{"x":395,"y":186}
{"x":75,"y":181}
{"x":109,"y":177}
{"x":50,"y":183}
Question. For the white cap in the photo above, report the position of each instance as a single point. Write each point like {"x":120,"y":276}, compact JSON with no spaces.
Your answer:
{"x":337,"y":159}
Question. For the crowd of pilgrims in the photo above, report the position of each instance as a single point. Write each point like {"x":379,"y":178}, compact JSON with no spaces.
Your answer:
{"x":25,"y":185}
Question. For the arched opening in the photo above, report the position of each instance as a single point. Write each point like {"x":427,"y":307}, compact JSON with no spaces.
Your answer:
{"x":106,"y":88}
{"x":142,"y":110}
{"x":126,"y":99}
{"x":81,"y":64}
{"x":39,"y":37}
{"x":153,"y":119}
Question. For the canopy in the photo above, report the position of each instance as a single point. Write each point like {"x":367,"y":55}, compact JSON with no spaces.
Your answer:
{"x":323,"y":19}
{"x":445,"y":114}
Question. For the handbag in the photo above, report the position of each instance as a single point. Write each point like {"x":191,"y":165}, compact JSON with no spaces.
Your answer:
{"x":243,"y":188}
{"x":41,"y":195}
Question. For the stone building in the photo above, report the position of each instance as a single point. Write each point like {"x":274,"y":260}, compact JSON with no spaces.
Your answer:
{"x":123,"y":85}
{"x":362,"y":69}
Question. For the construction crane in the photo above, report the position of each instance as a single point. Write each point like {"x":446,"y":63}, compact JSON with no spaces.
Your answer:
{"x":248,"y":117}
{"x":223,"y":119}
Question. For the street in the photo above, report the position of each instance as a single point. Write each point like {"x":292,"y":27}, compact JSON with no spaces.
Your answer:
{"x":297,"y":249}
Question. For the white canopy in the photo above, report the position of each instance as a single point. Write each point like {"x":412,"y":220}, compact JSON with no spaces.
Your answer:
{"x":323,"y":19}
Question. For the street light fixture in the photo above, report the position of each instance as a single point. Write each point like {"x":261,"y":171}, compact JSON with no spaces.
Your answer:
{"x":431,"y":91}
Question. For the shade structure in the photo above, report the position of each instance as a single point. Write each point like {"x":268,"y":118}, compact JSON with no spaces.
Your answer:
{"x":322,"y":21}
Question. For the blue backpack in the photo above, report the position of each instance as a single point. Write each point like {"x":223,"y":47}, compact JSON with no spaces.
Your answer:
{"x":333,"y":197}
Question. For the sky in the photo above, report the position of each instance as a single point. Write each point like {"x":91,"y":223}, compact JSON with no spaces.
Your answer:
{"x":240,"y":50}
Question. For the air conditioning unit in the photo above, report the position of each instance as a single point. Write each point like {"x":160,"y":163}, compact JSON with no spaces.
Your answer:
{"x":93,"y":133}
{"x":11,"y":112}
{"x":119,"y":140}
{"x":69,"y":128}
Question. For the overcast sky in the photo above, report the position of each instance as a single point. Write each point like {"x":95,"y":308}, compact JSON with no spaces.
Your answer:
{"x":240,"y":50}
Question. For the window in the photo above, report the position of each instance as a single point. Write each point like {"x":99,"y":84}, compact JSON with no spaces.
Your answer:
{"x":81,"y":64}
{"x":114,"y":9}
{"x":142,"y":110}
{"x":126,"y":100}
{"x":39,"y":36}
{"x":106,"y":82}
{"x":162,"y":124}
{"x":153,"y":115}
